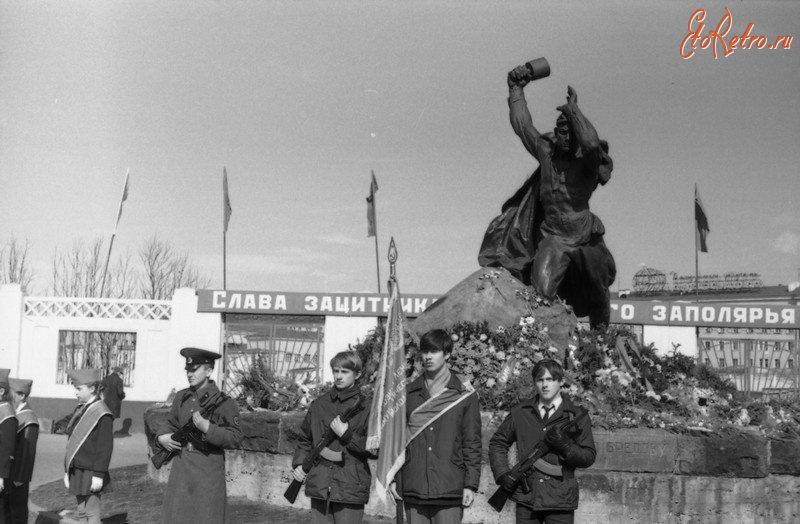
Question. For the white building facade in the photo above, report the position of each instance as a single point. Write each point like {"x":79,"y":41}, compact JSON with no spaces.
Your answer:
{"x":754,"y":339}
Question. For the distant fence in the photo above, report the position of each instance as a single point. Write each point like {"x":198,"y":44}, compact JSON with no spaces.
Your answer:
{"x":97,"y":308}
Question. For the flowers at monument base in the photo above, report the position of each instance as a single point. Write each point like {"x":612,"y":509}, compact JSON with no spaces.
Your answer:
{"x":678,"y":395}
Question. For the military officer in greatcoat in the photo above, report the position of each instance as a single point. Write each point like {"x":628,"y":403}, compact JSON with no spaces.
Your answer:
{"x":196,"y":490}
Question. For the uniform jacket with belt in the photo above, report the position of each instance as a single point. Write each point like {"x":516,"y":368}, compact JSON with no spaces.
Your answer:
{"x":524,"y":426}
{"x":196,"y":490}
{"x":346,"y":481}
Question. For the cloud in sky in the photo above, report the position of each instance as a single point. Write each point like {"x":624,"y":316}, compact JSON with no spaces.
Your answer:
{"x":341,"y":240}
{"x":290,"y":261}
{"x":787,"y":243}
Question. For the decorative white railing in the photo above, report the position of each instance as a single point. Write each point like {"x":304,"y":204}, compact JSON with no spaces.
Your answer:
{"x":97,"y":308}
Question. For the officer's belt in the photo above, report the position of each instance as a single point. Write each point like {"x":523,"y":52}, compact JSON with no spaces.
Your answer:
{"x":547,"y":468}
{"x":330,"y":455}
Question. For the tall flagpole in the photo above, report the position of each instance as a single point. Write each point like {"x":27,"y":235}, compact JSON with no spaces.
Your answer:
{"x":226,"y":214}
{"x":377,"y":259}
{"x":114,"y":232}
{"x":399,"y":516}
{"x":696,"y":265}
{"x":226,"y":217}
{"x":386,"y":428}
{"x":373,"y":188}
{"x":696,"y":249}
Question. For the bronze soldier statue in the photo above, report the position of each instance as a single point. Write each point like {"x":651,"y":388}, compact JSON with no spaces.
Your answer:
{"x":546,"y":235}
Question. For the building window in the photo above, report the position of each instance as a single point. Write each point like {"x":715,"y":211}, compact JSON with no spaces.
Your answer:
{"x":722,"y":362}
{"x":735,"y":362}
{"x":790,"y":363}
{"x":777,"y":363}
{"x":708,"y":362}
{"x":288,"y":345}
{"x":96,"y":349}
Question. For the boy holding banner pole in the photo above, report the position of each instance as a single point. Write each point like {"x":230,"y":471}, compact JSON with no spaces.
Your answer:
{"x":443,"y":452}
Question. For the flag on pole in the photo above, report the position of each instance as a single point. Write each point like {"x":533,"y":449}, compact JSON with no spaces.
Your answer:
{"x":387,"y":420}
{"x":226,"y":200}
{"x":123,"y":199}
{"x":373,"y":188}
{"x":701,"y":224}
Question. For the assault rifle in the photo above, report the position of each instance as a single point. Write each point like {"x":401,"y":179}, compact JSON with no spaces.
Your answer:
{"x":519,"y":473}
{"x":320,"y":450}
{"x":187,"y":433}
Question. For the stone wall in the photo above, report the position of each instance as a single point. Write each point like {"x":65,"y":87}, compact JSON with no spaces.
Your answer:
{"x":640,"y":475}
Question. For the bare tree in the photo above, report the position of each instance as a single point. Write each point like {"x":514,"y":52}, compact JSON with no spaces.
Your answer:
{"x":121,"y":279}
{"x":164,"y":271}
{"x":79,"y":271}
{"x":15,"y":264}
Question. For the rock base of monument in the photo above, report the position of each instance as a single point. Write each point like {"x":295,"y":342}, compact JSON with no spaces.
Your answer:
{"x":640,"y":475}
{"x":492,"y":295}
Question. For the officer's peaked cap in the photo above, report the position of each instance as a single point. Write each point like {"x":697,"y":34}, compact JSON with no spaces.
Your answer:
{"x":196,"y":356}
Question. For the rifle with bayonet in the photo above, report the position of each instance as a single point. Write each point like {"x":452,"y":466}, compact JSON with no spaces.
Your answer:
{"x":519,"y":473}
{"x":320,"y":449}
{"x":187,"y":433}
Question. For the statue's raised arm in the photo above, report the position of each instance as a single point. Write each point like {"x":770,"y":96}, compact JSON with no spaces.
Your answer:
{"x":520,"y":116}
{"x":586,"y":139}
{"x":546,"y":234}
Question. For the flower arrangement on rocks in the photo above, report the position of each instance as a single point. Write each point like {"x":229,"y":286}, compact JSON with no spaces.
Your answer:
{"x":670,"y":392}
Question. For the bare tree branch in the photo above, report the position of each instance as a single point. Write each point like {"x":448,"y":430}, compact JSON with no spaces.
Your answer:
{"x":164,"y":271}
{"x":79,"y":272}
{"x":15,"y":264}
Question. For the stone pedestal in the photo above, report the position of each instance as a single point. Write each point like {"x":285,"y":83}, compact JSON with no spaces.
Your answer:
{"x":494,"y":296}
{"x":640,"y":475}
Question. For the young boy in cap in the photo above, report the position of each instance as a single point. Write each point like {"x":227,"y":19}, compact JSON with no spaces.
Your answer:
{"x":338,"y":485}
{"x":8,"y":436}
{"x":196,"y":492}
{"x":553,"y":497}
{"x":25,"y":450}
{"x":90,"y":444}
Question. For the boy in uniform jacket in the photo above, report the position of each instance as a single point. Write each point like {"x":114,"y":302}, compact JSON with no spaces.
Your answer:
{"x":553,"y":496}
{"x":338,"y":484}
{"x":443,"y":454}
{"x":90,"y":444}
{"x":25,"y":450}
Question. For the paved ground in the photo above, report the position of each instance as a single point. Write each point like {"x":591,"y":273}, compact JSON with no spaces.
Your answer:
{"x":49,"y":466}
{"x":135,"y":498}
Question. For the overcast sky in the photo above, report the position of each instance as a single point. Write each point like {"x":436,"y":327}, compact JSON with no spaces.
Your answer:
{"x":301,"y":100}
